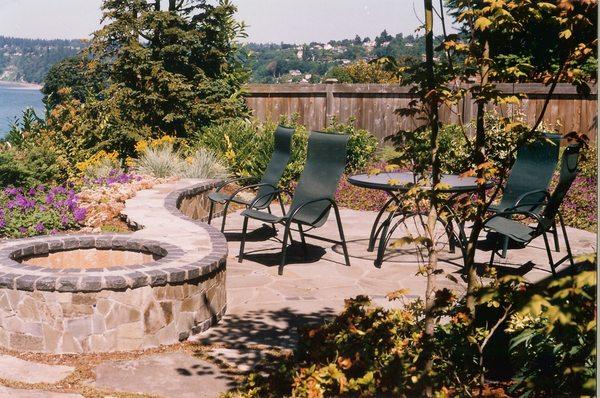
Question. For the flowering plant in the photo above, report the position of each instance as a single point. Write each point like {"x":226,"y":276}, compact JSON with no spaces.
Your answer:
{"x":39,"y":210}
{"x":115,"y":176}
{"x":104,"y":198}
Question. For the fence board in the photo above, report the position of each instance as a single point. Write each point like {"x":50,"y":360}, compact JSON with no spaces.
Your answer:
{"x":373,"y":106}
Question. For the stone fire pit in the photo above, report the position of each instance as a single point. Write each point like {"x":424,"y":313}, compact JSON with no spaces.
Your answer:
{"x":118,"y":292}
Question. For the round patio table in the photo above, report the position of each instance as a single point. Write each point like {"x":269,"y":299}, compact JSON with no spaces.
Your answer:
{"x":395,"y":183}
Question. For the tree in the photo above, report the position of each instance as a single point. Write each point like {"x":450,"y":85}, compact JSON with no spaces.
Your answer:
{"x":383,"y":37}
{"x":464,"y":58}
{"x":170,"y":71}
{"x":70,"y":73}
{"x":362,"y":72}
{"x":535,"y":52}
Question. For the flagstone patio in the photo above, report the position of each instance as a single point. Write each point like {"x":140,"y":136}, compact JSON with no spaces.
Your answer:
{"x":263,"y":313}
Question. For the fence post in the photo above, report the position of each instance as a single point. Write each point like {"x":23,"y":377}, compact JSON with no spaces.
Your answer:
{"x":329,"y":99}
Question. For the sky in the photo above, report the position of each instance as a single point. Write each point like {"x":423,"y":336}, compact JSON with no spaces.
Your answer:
{"x":290,"y":21}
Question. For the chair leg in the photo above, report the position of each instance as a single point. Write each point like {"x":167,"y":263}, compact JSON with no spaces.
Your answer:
{"x":302,"y":238}
{"x":210,"y":211}
{"x":449,"y":233}
{"x":281,"y":204}
{"x":505,"y":246}
{"x":272,"y":224}
{"x":555,"y":234}
{"x":494,"y":251}
{"x":549,"y":253}
{"x":342,"y":237}
{"x":243,"y":240}
{"x":567,"y":244}
{"x":284,"y":246}
{"x":492,"y":257}
{"x":224,"y":216}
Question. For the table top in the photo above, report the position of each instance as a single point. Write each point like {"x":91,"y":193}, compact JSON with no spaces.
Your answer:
{"x":404,"y":180}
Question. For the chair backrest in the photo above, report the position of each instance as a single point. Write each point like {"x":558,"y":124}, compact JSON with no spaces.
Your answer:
{"x":282,"y":151}
{"x":533,"y":170}
{"x":568,"y":172}
{"x":325,"y":164}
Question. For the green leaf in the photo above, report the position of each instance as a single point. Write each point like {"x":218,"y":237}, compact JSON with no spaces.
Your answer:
{"x":482,"y":23}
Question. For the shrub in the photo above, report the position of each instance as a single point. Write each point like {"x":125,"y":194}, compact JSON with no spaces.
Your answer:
{"x":160,"y":162}
{"x":364,"y":351}
{"x":31,"y":166}
{"x":413,"y":150}
{"x":100,"y":165}
{"x":362,"y":72}
{"x":39,"y":210}
{"x":204,"y":164}
{"x":247,"y":146}
{"x":362,"y":145}
{"x":554,"y":339}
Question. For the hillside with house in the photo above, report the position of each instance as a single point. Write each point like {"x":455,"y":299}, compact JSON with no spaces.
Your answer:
{"x":28,"y":60}
{"x":314,"y":62}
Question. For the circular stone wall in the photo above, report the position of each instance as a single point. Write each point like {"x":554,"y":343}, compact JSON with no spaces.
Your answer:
{"x":163,"y":293}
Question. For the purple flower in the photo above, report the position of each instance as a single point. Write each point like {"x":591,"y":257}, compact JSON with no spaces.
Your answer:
{"x":40,"y":228}
{"x":79,"y":214}
{"x":12,"y":191}
{"x":2,"y":223}
{"x":59,"y":190}
{"x":24,"y":203}
{"x":23,"y":230}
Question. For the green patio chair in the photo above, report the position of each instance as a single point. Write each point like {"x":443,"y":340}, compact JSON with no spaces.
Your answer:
{"x":268,"y":185}
{"x":505,"y":224}
{"x":313,"y":197}
{"x":529,"y":178}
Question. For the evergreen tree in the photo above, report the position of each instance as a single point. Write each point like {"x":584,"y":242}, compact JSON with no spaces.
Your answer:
{"x":170,"y":70}
{"x":70,"y":74}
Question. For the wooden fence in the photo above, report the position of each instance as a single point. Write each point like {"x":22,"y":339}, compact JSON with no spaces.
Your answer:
{"x":373,"y":106}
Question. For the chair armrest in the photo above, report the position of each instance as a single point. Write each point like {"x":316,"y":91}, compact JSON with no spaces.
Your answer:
{"x":297,"y":210}
{"x":510,"y":213}
{"x":257,"y":200}
{"x":231,"y":181}
{"x":252,"y":187}
{"x":519,"y":203}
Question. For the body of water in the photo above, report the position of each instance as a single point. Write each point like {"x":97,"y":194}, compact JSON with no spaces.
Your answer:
{"x":14,"y":98}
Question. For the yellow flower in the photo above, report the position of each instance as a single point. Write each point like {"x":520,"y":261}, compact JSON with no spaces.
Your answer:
{"x":130,"y":162}
{"x":97,"y":158}
{"x":141,"y":146}
{"x":165,"y":140}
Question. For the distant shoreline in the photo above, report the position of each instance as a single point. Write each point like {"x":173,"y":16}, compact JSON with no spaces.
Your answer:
{"x":20,"y":85}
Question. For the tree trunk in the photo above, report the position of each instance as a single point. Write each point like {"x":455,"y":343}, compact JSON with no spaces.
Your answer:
{"x":432,"y":258}
{"x":471,"y":269}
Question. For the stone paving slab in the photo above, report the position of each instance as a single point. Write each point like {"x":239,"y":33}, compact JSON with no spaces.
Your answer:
{"x":266,"y":309}
{"x":241,"y":359}
{"x":7,"y":392}
{"x":172,"y":375}
{"x":16,"y":369}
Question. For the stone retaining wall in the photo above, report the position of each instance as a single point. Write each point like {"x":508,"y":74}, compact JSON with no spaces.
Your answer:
{"x":132,"y":307}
